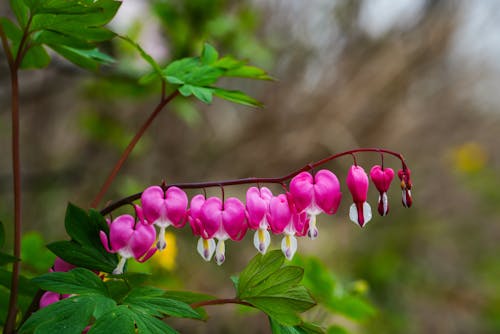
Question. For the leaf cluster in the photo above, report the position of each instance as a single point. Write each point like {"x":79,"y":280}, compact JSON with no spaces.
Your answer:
{"x":275,"y":289}
{"x":85,"y":248}
{"x":114,"y":305}
{"x":70,"y":28}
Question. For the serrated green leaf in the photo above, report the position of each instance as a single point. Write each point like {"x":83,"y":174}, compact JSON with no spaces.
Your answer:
{"x":119,"y":320}
{"x":278,"y":282}
{"x":305,"y":328}
{"x":77,"y":224}
{"x":203,"y":94}
{"x":147,"y":324}
{"x":209,"y":54}
{"x":56,"y":38}
{"x":68,"y":316}
{"x":237,"y":97}
{"x":77,"y":281}
{"x":156,"y":304}
{"x":21,"y":11}
{"x":191,"y":71}
{"x":258,"y":269}
{"x":35,"y":57}
{"x":89,"y":59}
{"x":250,"y":72}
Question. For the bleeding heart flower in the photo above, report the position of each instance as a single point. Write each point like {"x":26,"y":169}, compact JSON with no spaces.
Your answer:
{"x":257,"y":206}
{"x":357,"y":181}
{"x":404,"y":176}
{"x":382,"y":178}
{"x":206,"y":245}
{"x":164,"y":208}
{"x":61,"y":266}
{"x":223,"y":221}
{"x":284,"y":218}
{"x":129,"y":239}
{"x":315,"y":195}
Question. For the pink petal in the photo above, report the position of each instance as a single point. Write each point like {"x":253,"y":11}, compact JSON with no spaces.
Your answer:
{"x":153,"y":204}
{"x":142,"y":239}
{"x":233,"y":218}
{"x":279,"y":213}
{"x":104,"y":240}
{"x":48,"y":298}
{"x":357,"y":182}
{"x":257,"y":205}
{"x":194,"y":214}
{"x":121,"y":231}
{"x":381,"y":178}
{"x":211,"y":215}
{"x":301,"y":188}
{"x":176,"y":203}
{"x":327,"y":193}
{"x":61,"y":265}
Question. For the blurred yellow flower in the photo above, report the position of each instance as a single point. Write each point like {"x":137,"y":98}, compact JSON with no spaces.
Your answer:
{"x":469,"y":158}
{"x":166,"y":258}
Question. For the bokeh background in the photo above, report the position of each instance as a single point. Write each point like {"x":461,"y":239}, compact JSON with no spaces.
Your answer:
{"x":416,"y":76}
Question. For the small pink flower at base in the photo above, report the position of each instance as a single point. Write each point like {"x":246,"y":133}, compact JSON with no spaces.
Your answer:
{"x":404,"y":176}
{"x":382,"y":178}
{"x":257,"y":207}
{"x":223,"y":221}
{"x":357,"y":181}
{"x":206,"y":245}
{"x":129,"y":239}
{"x":49,"y":298}
{"x":164,"y":208}
{"x":61,"y":266}
{"x":315,"y":195}
{"x":283,"y":218}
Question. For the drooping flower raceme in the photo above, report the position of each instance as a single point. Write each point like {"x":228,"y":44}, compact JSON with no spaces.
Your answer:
{"x":257,"y":206}
{"x":357,"y":181}
{"x":206,"y":244}
{"x":382,"y":178}
{"x":164,"y":208}
{"x":284,"y":218}
{"x":315,"y":195}
{"x":129,"y":239}
{"x":222,"y":221}
{"x":404,"y":176}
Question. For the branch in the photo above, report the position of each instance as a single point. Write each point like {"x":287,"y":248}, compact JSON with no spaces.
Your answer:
{"x":220,"y":302}
{"x":130,"y":147}
{"x":255,"y":180}
{"x":6,"y":48}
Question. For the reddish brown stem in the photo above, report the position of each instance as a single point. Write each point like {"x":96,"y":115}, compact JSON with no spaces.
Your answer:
{"x":252,"y":180}
{"x":220,"y":302}
{"x":130,"y":147}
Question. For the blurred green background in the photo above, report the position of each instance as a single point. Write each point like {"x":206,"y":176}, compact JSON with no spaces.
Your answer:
{"x":417,"y":76}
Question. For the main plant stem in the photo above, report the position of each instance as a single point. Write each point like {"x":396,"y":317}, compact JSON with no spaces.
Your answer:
{"x":220,"y":302}
{"x":163,"y":102}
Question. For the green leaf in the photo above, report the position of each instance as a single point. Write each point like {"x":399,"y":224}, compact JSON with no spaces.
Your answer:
{"x":21,"y":11}
{"x":84,"y":256}
{"x":351,"y":306}
{"x":258,"y":269}
{"x":203,"y":94}
{"x":36,"y":57}
{"x":68,"y":316}
{"x":77,"y":224}
{"x":191,"y":71}
{"x":148,"y":78}
{"x":119,"y":320}
{"x":36,"y":257}
{"x":89,"y":59}
{"x":12,"y":31}
{"x":305,"y":328}
{"x":56,"y":38}
{"x":143,"y":54}
{"x":284,"y":307}
{"x":209,"y":55}
{"x":6,"y":258}
{"x":147,"y":324}
{"x":279,"y":281}
{"x":148,"y":301}
{"x":336,"y":330}
{"x":26,"y":286}
{"x":237,"y":97}
{"x":77,"y":281}
{"x":238,"y":68}
{"x":2,"y":234}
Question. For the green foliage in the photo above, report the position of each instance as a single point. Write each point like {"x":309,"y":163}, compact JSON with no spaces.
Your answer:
{"x":77,"y":281}
{"x":70,"y":28}
{"x":330,"y":293}
{"x":85,"y":248}
{"x":34,"y":253}
{"x":273,"y":288}
{"x":305,"y":328}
